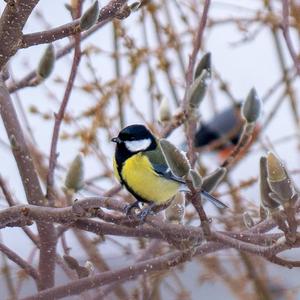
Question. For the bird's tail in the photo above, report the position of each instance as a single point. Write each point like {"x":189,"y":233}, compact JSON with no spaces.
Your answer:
{"x":213,"y":200}
{"x":205,"y":195}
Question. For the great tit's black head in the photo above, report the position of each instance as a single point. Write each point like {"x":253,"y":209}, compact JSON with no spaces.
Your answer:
{"x":136,"y":138}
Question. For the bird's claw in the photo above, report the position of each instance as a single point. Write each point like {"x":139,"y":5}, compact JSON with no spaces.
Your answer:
{"x":129,"y":207}
{"x":145,"y":212}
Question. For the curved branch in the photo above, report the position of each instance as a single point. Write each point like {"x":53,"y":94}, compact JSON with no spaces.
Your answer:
{"x":12,"y":22}
{"x":19,"y":261}
{"x":57,"y":33}
{"x":163,"y":262}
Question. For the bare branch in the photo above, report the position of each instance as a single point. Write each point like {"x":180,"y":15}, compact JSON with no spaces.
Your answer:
{"x":12,"y":22}
{"x":19,"y":261}
{"x":287,"y":36}
{"x":72,"y":28}
{"x":164,"y":262}
{"x":59,"y":117}
{"x":31,"y":184}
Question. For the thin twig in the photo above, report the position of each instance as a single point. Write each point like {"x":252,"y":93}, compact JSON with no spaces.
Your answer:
{"x":20,"y":262}
{"x":59,"y":118}
{"x":287,"y":36}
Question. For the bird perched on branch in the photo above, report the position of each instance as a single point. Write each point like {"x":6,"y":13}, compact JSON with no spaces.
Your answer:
{"x":222,"y":132}
{"x":140,"y":166}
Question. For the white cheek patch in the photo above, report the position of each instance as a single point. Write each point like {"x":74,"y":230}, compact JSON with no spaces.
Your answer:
{"x":140,"y":145}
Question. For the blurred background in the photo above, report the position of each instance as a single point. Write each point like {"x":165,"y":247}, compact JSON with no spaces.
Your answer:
{"x":127,"y":68}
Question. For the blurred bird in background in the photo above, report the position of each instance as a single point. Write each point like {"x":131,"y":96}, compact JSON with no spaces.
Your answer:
{"x":222,"y":132}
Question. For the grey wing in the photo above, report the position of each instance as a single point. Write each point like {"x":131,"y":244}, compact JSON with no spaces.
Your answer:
{"x":164,"y":171}
{"x":160,"y":166}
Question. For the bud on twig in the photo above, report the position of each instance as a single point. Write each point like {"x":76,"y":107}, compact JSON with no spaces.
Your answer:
{"x":176,"y":159}
{"x":90,"y":17}
{"x":46,"y":63}
{"x":275,"y":168}
{"x":197,"y":90}
{"x":135,"y":5}
{"x":279,"y":182}
{"x":74,"y":265}
{"x":264,"y":187}
{"x":252,"y":107}
{"x":175,"y":211}
{"x":204,"y":64}
{"x":82,"y":272}
{"x":196,"y":179}
{"x":164,"y":111}
{"x":211,"y":181}
{"x":248,"y":221}
{"x":71,"y":262}
{"x":75,"y":175}
{"x":13,"y":142}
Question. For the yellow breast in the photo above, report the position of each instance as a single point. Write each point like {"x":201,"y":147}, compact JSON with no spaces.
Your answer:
{"x":141,"y":178}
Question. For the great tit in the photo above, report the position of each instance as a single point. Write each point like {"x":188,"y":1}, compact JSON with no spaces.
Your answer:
{"x":140,"y":166}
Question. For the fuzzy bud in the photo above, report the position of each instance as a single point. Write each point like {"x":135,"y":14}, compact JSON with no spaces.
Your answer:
{"x":211,"y":181}
{"x":275,"y":168}
{"x":75,"y":175}
{"x":90,"y":17}
{"x":74,"y":265}
{"x":278,"y":179}
{"x":196,"y":179}
{"x":265,"y":190}
{"x":82,"y":272}
{"x":164,"y":111}
{"x":175,"y":211}
{"x":46,"y":63}
{"x":135,"y":5}
{"x":204,"y":64}
{"x":71,"y":262}
{"x":198,"y":89}
{"x":176,"y":159}
{"x":248,"y":221}
{"x":252,"y":107}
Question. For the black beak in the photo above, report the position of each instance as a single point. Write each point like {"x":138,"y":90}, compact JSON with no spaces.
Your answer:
{"x":116,"y":140}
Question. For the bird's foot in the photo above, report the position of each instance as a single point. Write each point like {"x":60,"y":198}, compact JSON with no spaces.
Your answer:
{"x":145,"y":212}
{"x":129,"y":207}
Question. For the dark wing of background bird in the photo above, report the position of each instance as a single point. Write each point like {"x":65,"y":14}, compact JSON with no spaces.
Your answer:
{"x":228,"y":122}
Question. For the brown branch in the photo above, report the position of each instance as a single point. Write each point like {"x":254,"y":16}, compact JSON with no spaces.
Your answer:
{"x":58,"y":120}
{"x":44,"y":37}
{"x":283,"y":262}
{"x":12,"y":21}
{"x":31,"y":76}
{"x":160,"y":263}
{"x":239,"y":245}
{"x":19,"y":261}
{"x":73,"y":215}
{"x":287,"y":36}
{"x":19,"y":148}
{"x":197,"y":43}
{"x":179,"y":119}
{"x":31,"y":185}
